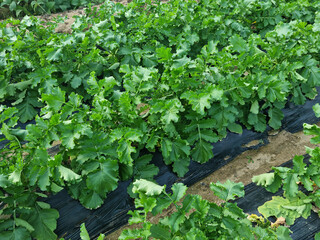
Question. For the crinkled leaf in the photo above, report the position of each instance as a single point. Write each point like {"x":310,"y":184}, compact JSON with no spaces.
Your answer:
{"x":181,"y":166}
{"x":283,"y":29}
{"x":238,"y":44}
{"x":160,"y":232}
{"x":264,"y":179}
{"x":298,"y":165}
{"x":18,"y":233}
{"x":316,"y":109}
{"x":276,"y":115}
{"x":91,"y":200}
{"x":312,"y":130}
{"x":147,"y":187}
{"x":129,"y":234}
{"x":202,"y":152}
{"x":124,"y":151}
{"x":289,"y":209}
{"x":55,"y":99}
{"x":44,"y":222}
{"x":105,"y":179}
{"x":290,"y":184}
{"x":174,"y":221}
{"x":84,"y":235}
{"x":136,"y":217}
{"x":67,"y":174}
{"x":196,"y":234}
{"x":178,"y":191}
{"x":228,"y":190}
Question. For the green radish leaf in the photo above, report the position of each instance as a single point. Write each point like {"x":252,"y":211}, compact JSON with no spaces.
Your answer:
{"x":104,"y":179}
{"x":67,"y":174}
{"x":227,"y":191}
{"x":147,"y":187}
{"x":174,"y":221}
{"x":178,"y":191}
{"x":22,"y":223}
{"x":290,"y":184}
{"x":255,"y":107}
{"x":236,"y":128}
{"x":238,"y":44}
{"x":181,"y":166}
{"x":43,"y":220}
{"x":299,"y":166}
{"x":290,"y":209}
{"x":160,"y":232}
{"x":202,"y":152}
{"x":84,"y":235}
{"x":3,"y":181}
{"x":316,"y":109}
{"x":264,"y":180}
{"x":91,"y":200}
{"x":55,"y":99}
{"x":76,"y":82}
{"x":16,"y":234}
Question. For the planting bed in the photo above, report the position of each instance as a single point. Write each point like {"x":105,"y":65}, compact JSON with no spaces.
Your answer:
{"x":237,"y":158}
{"x":188,"y":92}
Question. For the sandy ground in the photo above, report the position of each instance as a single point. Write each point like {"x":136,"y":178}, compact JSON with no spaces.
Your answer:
{"x":283,"y":147}
{"x":65,"y":27}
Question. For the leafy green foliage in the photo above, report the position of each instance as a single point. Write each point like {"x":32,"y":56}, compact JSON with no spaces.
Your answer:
{"x":30,"y":218}
{"x":84,"y":233}
{"x":36,"y":7}
{"x":194,"y":217}
{"x":228,"y":190}
{"x":294,"y":203}
{"x":289,"y":209}
{"x":173,"y":78}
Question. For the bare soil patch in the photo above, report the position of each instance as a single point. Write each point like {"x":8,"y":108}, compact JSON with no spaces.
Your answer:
{"x":65,"y":27}
{"x":283,"y":147}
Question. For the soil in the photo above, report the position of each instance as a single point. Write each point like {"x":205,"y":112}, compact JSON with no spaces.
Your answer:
{"x":283,"y":146}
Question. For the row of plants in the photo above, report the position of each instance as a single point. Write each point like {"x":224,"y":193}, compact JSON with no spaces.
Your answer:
{"x":148,"y":76}
{"x":196,"y":218}
{"x":20,"y":8}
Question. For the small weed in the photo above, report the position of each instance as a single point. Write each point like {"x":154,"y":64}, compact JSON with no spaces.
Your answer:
{"x":250,"y":160}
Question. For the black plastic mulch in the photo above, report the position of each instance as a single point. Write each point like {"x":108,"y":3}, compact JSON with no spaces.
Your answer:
{"x":113,"y":213}
{"x":255,"y":196}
